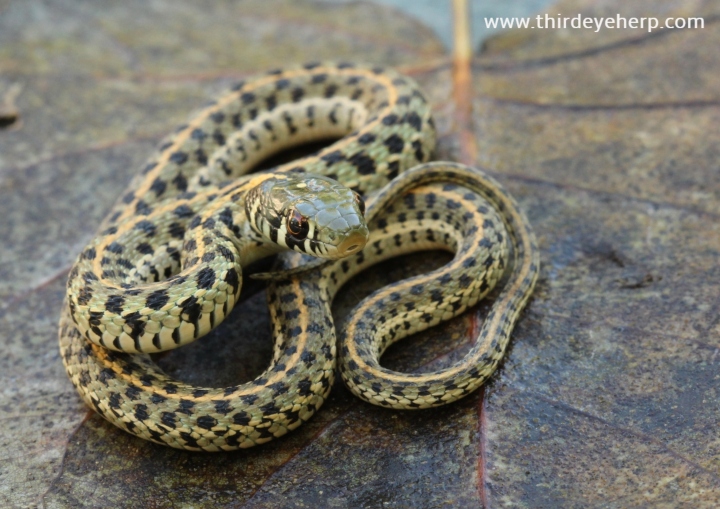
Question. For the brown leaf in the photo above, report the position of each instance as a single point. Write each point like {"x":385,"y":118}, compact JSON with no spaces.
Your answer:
{"x":610,"y":142}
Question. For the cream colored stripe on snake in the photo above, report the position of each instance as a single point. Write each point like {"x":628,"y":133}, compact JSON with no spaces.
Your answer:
{"x":152,"y":280}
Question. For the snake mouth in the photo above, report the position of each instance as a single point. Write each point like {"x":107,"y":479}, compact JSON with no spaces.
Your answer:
{"x":352,"y":244}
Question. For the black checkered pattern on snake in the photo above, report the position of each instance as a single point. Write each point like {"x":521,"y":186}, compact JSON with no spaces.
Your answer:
{"x":131,"y":289}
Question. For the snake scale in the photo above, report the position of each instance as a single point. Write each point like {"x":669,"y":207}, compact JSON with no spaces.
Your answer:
{"x":168,"y":262}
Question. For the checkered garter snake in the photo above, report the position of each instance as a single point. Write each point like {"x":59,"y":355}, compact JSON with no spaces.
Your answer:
{"x":167,"y":264}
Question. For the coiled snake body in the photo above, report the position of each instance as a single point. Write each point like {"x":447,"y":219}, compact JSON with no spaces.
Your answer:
{"x":167,"y":265}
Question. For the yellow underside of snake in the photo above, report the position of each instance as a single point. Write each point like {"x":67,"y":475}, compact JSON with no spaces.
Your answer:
{"x":167,"y":265}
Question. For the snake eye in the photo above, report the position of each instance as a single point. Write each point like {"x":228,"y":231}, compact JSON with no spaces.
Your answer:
{"x":360,"y":203}
{"x":297,"y":225}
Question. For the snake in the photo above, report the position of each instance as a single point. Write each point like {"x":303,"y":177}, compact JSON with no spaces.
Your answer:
{"x":166,"y":266}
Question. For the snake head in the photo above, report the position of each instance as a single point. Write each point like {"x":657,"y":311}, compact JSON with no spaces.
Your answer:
{"x":310,"y":214}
